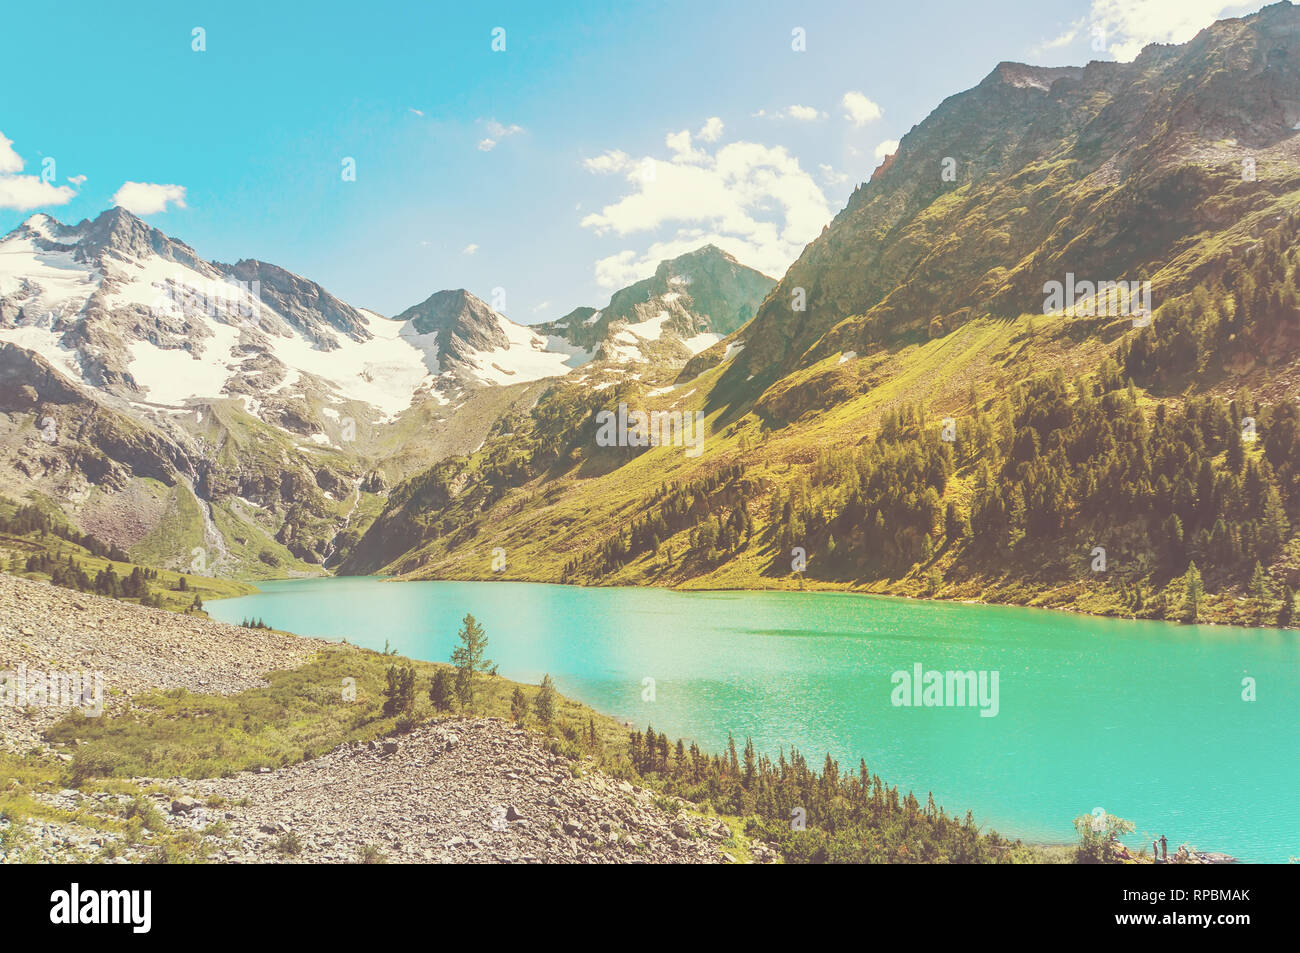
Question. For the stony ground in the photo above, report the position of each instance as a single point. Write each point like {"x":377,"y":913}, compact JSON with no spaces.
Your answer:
{"x":451,"y":792}
{"x":480,"y":791}
{"x":50,"y":629}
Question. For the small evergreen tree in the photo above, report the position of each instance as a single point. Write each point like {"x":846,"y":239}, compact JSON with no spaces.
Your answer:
{"x":1286,"y":614}
{"x":518,"y":705}
{"x":1193,"y":590}
{"x":1259,"y":592}
{"x":544,"y":704}
{"x":441,"y":690}
{"x":468,"y":659}
{"x":399,"y":694}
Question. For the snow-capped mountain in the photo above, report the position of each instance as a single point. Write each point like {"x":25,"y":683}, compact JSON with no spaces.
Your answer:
{"x":172,"y":404}
{"x":464,"y":340}
{"x":689,"y":304}
{"x":118,"y":305}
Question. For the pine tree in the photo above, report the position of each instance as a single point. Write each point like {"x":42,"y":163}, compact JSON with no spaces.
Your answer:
{"x":441,"y":690}
{"x":468,"y":659}
{"x":1259,"y":592}
{"x":1286,"y":614}
{"x":1193,"y":590}
{"x":545,"y":702}
{"x":399,"y":694}
{"x":518,"y":705}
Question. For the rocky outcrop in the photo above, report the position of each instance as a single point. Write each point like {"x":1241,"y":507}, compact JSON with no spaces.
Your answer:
{"x":458,"y":791}
{"x":462,"y":324}
{"x":706,"y":291}
{"x":303,"y":303}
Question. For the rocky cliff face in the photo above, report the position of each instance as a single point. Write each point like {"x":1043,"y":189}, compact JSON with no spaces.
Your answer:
{"x":1109,"y":171}
{"x":307,"y":307}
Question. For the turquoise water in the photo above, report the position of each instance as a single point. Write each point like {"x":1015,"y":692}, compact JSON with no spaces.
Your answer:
{"x":1143,"y":719}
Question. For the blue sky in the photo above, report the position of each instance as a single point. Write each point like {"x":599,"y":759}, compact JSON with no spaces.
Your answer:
{"x":523,"y":170}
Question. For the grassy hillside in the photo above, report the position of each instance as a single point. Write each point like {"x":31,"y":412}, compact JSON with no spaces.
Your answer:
{"x":575,"y":518}
{"x":908,"y":413}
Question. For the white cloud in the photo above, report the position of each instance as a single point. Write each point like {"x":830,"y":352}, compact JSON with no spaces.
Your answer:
{"x":683,"y":151}
{"x":147,"y":198}
{"x":751,"y":200}
{"x":541,"y":306}
{"x":860,"y":110}
{"x":886,"y":148}
{"x":497,"y":129}
{"x":612,"y":160}
{"x":795,"y":112}
{"x":830,"y":176}
{"x":1125,"y":26}
{"x":496,"y":132}
{"x":418,"y":112}
{"x":1065,"y":38}
{"x":10,"y":161}
{"x":679,"y":142}
{"x":802,"y":113}
{"x":77,"y":180}
{"x":711,"y":130}
{"x":469,"y":249}
{"x":25,"y":192}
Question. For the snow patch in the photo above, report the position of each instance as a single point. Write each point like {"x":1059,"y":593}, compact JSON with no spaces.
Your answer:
{"x":701,"y":342}
{"x":175,"y":375}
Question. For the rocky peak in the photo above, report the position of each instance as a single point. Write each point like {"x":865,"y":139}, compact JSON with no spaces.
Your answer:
{"x":303,"y":303}
{"x":119,"y":232}
{"x":462,"y":322}
{"x":704,"y":291}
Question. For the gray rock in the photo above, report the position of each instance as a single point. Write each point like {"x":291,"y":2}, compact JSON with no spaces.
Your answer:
{"x":184,"y":805}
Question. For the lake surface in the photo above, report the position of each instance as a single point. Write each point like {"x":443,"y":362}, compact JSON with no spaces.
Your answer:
{"x":1145,"y":720}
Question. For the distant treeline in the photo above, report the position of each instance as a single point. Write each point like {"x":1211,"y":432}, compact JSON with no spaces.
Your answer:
{"x":68,"y":572}
{"x":31,"y":519}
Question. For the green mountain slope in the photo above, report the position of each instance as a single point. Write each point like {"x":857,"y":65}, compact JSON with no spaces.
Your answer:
{"x":920,"y":314}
